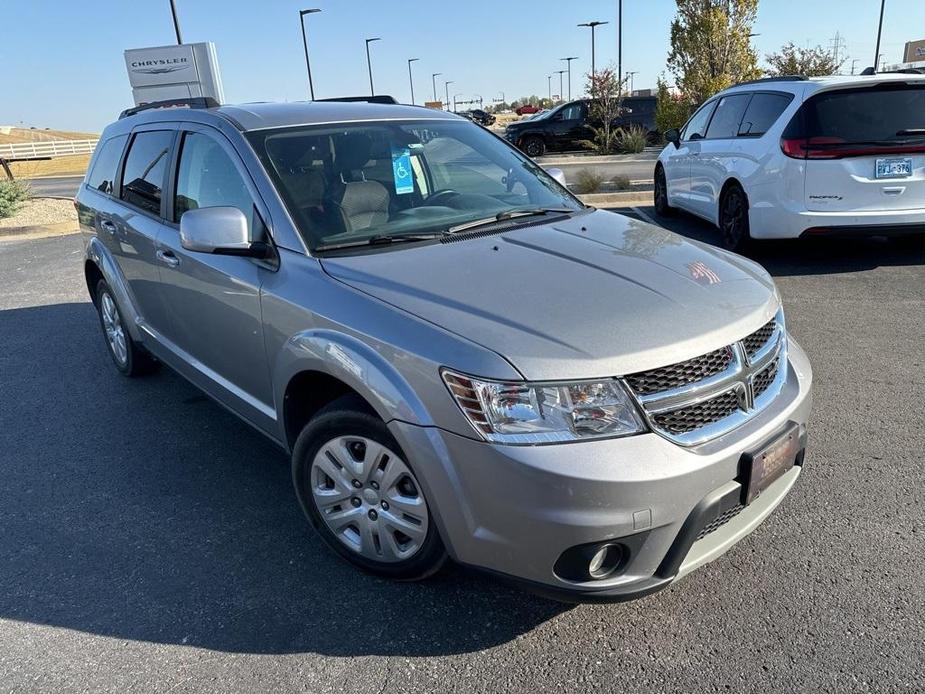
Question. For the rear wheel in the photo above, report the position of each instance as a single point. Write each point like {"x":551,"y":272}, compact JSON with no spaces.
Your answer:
{"x":362,"y":497}
{"x":662,"y":208}
{"x":534,"y":146}
{"x":130,"y":359}
{"x":733,"y":220}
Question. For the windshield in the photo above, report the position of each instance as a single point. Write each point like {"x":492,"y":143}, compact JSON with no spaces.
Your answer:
{"x":384,"y":181}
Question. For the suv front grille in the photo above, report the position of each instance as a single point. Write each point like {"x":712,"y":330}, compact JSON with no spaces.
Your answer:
{"x":701,"y":398}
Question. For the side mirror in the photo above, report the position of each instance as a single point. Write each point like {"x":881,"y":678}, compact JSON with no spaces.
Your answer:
{"x":219,"y":230}
{"x":673,"y":136}
{"x":558,"y":175}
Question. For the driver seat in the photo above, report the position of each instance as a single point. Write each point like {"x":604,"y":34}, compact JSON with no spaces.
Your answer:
{"x":354,"y":202}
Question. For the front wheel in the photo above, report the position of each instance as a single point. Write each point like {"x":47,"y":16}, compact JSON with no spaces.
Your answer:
{"x":733,"y":220}
{"x":362,"y":497}
{"x":534,"y":146}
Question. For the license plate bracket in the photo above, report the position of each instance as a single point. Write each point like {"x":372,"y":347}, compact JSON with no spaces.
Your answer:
{"x":895,"y":167}
{"x":763,"y":467}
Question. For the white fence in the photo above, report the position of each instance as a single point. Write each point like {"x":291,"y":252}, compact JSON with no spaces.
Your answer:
{"x":47,"y":149}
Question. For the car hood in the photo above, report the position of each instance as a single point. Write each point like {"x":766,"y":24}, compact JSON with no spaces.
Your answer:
{"x":594,"y":295}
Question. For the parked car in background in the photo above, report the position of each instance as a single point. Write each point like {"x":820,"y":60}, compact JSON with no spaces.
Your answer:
{"x":793,"y":157}
{"x":479,"y":116}
{"x":526,"y":109}
{"x":567,"y":126}
{"x":462,"y":359}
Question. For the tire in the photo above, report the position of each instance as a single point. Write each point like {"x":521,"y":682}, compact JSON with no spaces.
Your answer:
{"x":660,"y":194}
{"x":733,"y":220}
{"x":130,"y":359}
{"x":534,"y":146}
{"x":351,"y":477}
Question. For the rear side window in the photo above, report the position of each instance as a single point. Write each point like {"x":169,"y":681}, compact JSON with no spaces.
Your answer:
{"x":866,"y":115}
{"x":696,"y":127}
{"x":762,"y":112}
{"x":207,"y":177}
{"x":102,"y":176}
{"x":146,"y":168}
{"x":729,"y":112}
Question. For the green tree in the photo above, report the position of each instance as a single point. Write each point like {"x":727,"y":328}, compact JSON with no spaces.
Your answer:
{"x":710,"y":46}
{"x":671,"y":110}
{"x":793,"y":60}
{"x":605,"y":107}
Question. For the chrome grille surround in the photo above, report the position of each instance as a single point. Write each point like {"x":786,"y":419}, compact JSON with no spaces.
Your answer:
{"x":695,"y":412}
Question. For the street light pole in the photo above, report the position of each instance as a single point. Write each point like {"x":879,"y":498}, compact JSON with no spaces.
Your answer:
{"x":433,"y":78}
{"x":308,"y":65}
{"x":410,"y":78}
{"x":593,"y":26}
{"x":879,"y":31}
{"x":446,"y":86}
{"x":561,"y":72}
{"x":369,"y":65}
{"x":620,"y":42}
{"x":549,"y":84}
{"x":176,"y":22}
{"x":569,"y":63}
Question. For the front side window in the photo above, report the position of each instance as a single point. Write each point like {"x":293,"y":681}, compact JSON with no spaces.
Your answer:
{"x":351,"y":183}
{"x":729,"y":111}
{"x":696,"y":127}
{"x":207,"y":177}
{"x":145,"y":169}
{"x":102,"y":176}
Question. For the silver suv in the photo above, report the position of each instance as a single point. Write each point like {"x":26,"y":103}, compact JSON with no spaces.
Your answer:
{"x":463,"y":360}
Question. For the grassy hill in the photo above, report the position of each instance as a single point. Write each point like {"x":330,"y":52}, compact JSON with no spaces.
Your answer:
{"x":28,"y":135}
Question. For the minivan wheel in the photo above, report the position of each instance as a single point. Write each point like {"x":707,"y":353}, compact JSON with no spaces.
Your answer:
{"x":534,"y":146}
{"x":130,"y":359}
{"x":662,"y":208}
{"x":733,"y":220}
{"x":361,"y":495}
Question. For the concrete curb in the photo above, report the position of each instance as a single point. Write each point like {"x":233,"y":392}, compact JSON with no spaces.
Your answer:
{"x":59,"y":229}
{"x":624,"y":199}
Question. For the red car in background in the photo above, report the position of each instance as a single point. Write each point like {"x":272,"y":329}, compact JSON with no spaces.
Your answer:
{"x":526,"y":109}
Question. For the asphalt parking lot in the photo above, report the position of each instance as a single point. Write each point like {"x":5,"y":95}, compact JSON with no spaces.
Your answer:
{"x":151,"y":542}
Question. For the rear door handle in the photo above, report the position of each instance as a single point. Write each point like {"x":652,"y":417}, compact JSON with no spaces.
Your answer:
{"x":106,"y":225}
{"x":168,"y":258}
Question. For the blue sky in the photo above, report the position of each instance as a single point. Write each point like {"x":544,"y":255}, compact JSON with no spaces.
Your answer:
{"x":63,"y":65}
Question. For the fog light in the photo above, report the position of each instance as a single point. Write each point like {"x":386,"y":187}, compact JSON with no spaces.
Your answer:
{"x":605,"y":561}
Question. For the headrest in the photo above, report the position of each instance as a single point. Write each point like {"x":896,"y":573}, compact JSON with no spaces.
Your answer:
{"x":352,"y":152}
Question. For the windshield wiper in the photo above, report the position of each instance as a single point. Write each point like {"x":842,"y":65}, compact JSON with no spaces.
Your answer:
{"x":509,"y":214}
{"x":378,"y":240}
{"x":911,"y":131}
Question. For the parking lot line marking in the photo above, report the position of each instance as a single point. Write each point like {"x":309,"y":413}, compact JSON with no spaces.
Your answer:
{"x":645,"y":217}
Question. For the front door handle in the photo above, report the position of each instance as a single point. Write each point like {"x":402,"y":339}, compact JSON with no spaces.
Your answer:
{"x":168,"y":258}
{"x":106,"y":225}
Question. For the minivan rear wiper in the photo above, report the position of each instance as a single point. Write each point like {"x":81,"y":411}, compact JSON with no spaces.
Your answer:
{"x":911,"y":131}
{"x":509,"y":214}
{"x":378,"y":240}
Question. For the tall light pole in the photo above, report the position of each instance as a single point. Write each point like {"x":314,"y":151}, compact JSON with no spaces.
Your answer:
{"x":446,"y":86}
{"x":630,"y":76}
{"x":308,"y":65}
{"x":568,"y":62}
{"x":593,"y":25}
{"x":410,"y":78}
{"x":620,"y":42}
{"x":454,"y":101}
{"x":879,"y":31}
{"x":549,"y":84}
{"x":369,"y":64}
{"x":176,"y":22}
{"x":433,"y":78}
{"x":561,"y":72}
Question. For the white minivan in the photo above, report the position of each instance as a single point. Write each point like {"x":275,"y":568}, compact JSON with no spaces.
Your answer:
{"x":785,"y":157}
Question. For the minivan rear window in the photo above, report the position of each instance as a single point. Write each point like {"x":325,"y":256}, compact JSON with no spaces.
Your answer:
{"x":879,"y":115}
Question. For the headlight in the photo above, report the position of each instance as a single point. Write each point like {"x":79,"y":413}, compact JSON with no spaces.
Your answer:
{"x":531,"y":413}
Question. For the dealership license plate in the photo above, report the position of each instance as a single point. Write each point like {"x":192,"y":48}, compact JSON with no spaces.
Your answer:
{"x":768,"y":464}
{"x":894,"y":168}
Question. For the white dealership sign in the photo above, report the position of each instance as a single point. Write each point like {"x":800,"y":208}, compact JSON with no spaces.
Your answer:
{"x":174,"y":72}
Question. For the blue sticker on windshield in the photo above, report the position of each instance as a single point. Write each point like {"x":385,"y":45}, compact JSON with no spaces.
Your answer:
{"x":401,"y":171}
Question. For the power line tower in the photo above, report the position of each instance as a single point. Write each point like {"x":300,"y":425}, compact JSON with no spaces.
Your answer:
{"x":837,"y":43}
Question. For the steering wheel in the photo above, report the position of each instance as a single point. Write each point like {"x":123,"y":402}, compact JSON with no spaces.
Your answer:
{"x":433,"y":198}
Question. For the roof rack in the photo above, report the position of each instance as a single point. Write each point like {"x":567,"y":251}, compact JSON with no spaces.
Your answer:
{"x":377,"y":99}
{"x":778,"y":78}
{"x":188,"y":102}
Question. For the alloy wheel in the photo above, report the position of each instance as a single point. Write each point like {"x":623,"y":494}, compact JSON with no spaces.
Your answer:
{"x":367,"y":497}
{"x":734,"y":225}
{"x":115,"y":333}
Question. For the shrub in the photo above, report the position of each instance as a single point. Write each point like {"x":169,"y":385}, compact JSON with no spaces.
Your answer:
{"x":631,"y":140}
{"x":621,"y":182}
{"x":12,"y":195}
{"x":588,"y":181}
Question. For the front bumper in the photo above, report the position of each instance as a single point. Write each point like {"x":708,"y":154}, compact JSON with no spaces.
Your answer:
{"x":513,"y":510}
